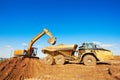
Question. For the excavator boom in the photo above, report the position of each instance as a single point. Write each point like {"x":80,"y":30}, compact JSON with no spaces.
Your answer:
{"x":37,"y":37}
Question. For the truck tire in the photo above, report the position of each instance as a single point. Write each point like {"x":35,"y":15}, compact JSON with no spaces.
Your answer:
{"x":89,"y":60}
{"x":49,"y":60}
{"x":59,"y":59}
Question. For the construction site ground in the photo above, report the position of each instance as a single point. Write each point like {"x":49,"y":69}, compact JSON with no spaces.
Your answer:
{"x":35,"y":69}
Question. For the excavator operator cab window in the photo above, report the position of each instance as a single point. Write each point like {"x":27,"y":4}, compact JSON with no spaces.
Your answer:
{"x":34,"y":52}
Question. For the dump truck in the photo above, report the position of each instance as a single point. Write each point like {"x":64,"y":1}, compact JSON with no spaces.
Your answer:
{"x":32,"y":51}
{"x":88,"y":54}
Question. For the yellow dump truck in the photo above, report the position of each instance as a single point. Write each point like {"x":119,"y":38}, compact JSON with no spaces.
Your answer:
{"x":88,"y":53}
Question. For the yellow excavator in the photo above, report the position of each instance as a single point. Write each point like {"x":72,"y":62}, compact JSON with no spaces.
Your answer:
{"x":31,"y":51}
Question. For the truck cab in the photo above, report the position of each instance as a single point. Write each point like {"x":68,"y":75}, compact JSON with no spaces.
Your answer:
{"x":90,"y":53}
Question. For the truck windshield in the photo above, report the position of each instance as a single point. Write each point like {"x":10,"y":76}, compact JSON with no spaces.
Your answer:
{"x":89,"y":45}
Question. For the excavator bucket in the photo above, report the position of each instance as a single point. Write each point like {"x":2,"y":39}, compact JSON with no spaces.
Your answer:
{"x":52,"y":40}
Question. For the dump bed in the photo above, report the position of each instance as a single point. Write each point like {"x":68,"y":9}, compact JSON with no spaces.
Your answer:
{"x":66,"y":50}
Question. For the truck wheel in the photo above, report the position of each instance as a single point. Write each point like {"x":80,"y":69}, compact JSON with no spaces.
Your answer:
{"x":49,"y":60}
{"x":60,"y":59}
{"x":89,"y":60}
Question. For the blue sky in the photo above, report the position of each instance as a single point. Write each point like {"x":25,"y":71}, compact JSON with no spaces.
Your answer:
{"x":71,"y":21}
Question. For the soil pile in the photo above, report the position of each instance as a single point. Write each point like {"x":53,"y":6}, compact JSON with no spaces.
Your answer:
{"x":35,"y":69}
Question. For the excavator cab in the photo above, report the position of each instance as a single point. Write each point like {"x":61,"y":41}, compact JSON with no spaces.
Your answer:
{"x":34,"y":51}
{"x":25,"y":53}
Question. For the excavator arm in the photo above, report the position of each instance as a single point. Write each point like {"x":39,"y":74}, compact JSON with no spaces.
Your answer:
{"x":51,"y":40}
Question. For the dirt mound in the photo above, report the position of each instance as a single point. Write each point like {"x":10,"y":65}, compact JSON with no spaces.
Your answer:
{"x":35,"y":69}
{"x":18,"y":68}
